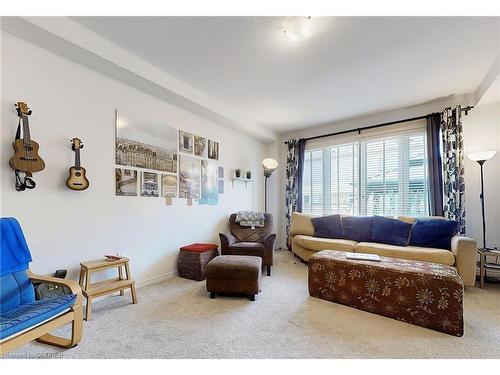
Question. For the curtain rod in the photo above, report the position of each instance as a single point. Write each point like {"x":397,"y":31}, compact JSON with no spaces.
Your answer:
{"x":359,"y":130}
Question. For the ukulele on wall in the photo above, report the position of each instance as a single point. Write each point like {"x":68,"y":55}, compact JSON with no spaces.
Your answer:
{"x":77,"y":179}
{"x":25,"y":158}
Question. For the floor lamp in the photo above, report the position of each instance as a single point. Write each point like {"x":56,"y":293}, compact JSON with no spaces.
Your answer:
{"x":269,"y":166}
{"x":481,"y":157}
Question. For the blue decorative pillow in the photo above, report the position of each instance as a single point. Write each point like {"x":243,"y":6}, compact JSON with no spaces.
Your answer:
{"x":435,"y":233}
{"x":357,"y":228}
{"x":327,"y":226}
{"x":390,"y":231}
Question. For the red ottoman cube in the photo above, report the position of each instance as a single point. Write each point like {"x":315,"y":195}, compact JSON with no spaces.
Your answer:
{"x":193,"y":260}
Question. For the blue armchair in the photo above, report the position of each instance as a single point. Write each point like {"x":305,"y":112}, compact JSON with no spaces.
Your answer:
{"x":22,"y":318}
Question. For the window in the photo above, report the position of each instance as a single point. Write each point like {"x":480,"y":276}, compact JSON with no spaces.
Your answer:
{"x":380,"y":173}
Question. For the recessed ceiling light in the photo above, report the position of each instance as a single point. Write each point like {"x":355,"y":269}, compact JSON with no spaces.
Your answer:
{"x":297,"y":29}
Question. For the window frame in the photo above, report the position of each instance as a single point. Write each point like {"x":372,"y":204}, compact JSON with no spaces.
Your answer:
{"x":403,"y":132}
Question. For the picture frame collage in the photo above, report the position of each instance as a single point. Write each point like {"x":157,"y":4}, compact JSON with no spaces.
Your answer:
{"x":154,"y":160}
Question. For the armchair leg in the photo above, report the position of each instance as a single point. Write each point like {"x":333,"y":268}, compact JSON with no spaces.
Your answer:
{"x":76,"y":332}
{"x":268,"y":270}
{"x":77,"y":326}
{"x":60,"y":342}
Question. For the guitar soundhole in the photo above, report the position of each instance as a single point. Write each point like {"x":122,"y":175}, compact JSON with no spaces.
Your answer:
{"x":78,"y":174}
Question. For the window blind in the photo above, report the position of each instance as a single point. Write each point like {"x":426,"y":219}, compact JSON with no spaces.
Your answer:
{"x":379,"y":173}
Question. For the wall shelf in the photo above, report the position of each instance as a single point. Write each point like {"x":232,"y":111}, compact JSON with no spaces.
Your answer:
{"x":241,"y":179}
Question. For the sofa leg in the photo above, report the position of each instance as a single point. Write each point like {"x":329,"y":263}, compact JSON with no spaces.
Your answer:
{"x":268,"y":270}
{"x":212,"y":295}
{"x":251,"y":297}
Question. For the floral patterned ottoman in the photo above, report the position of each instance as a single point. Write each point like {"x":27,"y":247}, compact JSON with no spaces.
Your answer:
{"x":425,"y":294}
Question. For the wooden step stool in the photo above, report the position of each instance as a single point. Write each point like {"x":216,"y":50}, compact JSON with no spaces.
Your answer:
{"x":119,"y":283}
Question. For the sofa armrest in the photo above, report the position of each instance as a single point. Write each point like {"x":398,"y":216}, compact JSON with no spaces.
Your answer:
{"x":226,"y":240}
{"x":465,"y":251}
{"x":72,"y":285}
{"x":301,"y":224}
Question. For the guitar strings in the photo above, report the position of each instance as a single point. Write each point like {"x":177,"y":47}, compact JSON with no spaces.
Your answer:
{"x":28,"y":147}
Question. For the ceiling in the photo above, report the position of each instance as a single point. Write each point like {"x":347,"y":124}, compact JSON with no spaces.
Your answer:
{"x":492,"y":95}
{"x":347,"y":67}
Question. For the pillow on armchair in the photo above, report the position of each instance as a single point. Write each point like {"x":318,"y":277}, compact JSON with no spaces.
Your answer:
{"x":327,"y":226}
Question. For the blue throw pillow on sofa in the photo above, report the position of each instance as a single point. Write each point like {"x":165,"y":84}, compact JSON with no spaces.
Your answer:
{"x":357,"y":228}
{"x":390,"y":231}
{"x":435,"y":233}
{"x":327,"y":226}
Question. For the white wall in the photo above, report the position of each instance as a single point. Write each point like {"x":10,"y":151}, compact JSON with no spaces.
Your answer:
{"x":64,"y":227}
{"x":481,"y":131}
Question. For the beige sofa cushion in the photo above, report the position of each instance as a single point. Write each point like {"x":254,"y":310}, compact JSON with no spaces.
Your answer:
{"x":425,"y":254}
{"x":301,"y":224}
{"x":317,"y":244}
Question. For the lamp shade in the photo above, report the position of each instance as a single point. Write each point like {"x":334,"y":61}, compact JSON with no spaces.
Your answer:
{"x":269,"y":166}
{"x":481,"y":155}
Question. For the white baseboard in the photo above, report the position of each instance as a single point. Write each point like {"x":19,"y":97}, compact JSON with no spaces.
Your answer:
{"x":142,"y":284}
{"x":155,"y":279}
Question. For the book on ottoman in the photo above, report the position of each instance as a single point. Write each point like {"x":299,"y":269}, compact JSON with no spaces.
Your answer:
{"x":362,"y":256}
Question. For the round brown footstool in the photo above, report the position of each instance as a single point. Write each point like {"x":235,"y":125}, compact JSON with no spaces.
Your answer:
{"x":234,"y":274}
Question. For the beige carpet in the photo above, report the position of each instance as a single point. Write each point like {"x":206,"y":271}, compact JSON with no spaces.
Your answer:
{"x":176,"y":319}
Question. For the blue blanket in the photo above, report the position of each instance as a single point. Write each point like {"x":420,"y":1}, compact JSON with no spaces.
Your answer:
{"x":14,"y":252}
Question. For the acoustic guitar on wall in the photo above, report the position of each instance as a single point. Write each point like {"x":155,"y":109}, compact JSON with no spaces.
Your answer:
{"x":77,"y":179}
{"x":25,"y":158}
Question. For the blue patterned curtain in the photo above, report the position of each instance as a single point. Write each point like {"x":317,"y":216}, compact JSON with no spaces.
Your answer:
{"x":453,"y":166}
{"x":293,"y":192}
